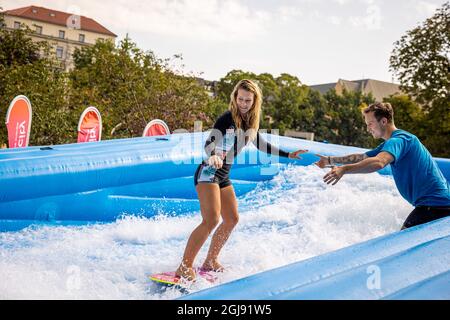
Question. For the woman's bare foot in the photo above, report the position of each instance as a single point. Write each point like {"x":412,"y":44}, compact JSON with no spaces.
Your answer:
{"x":185,"y":272}
{"x":212,"y":266}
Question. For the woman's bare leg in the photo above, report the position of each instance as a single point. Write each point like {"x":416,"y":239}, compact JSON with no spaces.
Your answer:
{"x":209,"y":196}
{"x":230,"y":216}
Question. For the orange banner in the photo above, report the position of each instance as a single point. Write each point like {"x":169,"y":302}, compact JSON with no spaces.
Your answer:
{"x":90,"y":125}
{"x":18,"y":122}
{"x":156,"y":128}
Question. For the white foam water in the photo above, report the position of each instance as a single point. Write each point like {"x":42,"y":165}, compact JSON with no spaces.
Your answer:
{"x":293,"y":217}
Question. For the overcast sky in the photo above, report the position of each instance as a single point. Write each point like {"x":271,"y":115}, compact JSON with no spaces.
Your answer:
{"x":318,"y":41}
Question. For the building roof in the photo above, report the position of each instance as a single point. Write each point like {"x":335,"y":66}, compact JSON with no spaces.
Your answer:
{"x":324,"y":88}
{"x":58,"y":18}
{"x":379,"y":89}
{"x":351,"y":85}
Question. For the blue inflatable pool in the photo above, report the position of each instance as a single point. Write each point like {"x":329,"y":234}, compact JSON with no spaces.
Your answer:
{"x":411,"y":264}
{"x":100,"y":182}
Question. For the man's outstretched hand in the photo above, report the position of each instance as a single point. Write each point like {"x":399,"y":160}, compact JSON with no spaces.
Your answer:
{"x":334,"y":175}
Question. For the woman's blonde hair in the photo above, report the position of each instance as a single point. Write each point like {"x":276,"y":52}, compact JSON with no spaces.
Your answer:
{"x":251,"y":126}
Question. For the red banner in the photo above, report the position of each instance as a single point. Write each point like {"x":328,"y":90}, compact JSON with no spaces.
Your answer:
{"x":18,"y":122}
{"x":90,"y":125}
{"x":156,"y":128}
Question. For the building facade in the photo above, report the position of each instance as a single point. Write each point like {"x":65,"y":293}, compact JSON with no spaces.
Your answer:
{"x":378,"y":89}
{"x":63,"y":31}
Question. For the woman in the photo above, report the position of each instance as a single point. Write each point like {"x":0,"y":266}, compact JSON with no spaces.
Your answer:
{"x":232,"y":131}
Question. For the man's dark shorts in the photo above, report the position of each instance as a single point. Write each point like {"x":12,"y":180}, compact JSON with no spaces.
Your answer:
{"x":422,"y":215}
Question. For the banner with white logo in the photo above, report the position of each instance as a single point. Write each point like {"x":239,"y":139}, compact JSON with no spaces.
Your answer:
{"x":90,"y":125}
{"x":156,"y":127}
{"x":18,"y":122}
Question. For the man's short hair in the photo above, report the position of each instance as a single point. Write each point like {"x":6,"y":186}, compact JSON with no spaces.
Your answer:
{"x":381,"y":110}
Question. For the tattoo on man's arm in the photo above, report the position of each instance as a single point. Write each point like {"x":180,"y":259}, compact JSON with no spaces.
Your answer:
{"x":353,"y":158}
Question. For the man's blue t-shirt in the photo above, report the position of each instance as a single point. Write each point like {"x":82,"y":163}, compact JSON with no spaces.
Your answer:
{"x":416,"y":174}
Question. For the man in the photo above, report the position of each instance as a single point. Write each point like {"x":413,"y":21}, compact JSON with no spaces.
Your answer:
{"x":416,"y":174}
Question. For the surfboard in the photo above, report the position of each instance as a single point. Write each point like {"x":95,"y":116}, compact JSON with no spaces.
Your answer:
{"x":169,"y":278}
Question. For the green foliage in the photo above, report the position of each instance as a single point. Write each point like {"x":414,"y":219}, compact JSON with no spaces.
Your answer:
{"x":52,"y":121}
{"x":347,"y":121}
{"x":421,"y":61}
{"x":407,"y":114}
{"x":436,"y":129}
{"x":27,"y":68}
{"x":319,"y":117}
{"x":287,"y":111}
{"x":420,"y":58}
{"x":131,"y":87}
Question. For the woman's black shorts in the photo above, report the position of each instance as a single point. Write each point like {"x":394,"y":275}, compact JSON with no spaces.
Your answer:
{"x":207,"y":174}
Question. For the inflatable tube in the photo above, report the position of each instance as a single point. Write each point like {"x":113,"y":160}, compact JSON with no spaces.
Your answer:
{"x":76,"y":168}
{"x":411,"y":264}
{"x":101,"y":181}
{"x":116,"y":200}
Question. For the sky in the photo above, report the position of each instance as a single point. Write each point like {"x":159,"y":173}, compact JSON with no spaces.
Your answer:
{"x":318,"y":41}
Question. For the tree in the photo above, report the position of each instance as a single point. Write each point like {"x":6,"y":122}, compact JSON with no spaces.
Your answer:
{"x":436,"y":128}
{"x":130,"y":87}
{"x":347,"y":121}
{"x":420,"y":59}
{"x":287,"y":108}
{"x":46,"y":88}
{"x":407,"y":114}
{"x":28,"y":68}
{"x":320,"y":118}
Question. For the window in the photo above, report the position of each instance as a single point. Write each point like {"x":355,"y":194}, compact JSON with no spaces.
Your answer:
{"x":81,"y":37}
{"x":16,"y":25}
{"x":59,"y":52}
{"x":38,"y":29}
{"x":62,"y":34}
